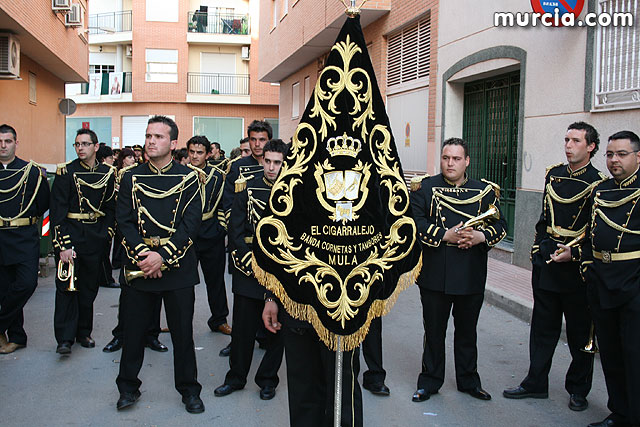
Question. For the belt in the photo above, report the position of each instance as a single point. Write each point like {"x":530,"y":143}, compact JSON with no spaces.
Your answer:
{"x":565,"y":232}
{"x":155,"y":242}
{"x":19,"y":222}
{"x":607,"y":256}
{"x":84,"y":216}
{"x":208,"y":215}
{"x":248,"y":240}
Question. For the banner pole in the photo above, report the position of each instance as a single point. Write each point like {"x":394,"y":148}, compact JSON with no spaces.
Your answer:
{"x":338,"y":382}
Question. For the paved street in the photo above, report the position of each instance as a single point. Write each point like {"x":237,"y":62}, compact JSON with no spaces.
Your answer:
{"x":39,"y":387}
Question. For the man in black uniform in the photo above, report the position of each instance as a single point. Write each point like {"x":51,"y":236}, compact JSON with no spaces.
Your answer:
{"x":611,"y":268}
{"x":82,"y":216}
{"x":159,"y":210}
{"x":373,"y":377}
{"x":454,"y":268}
{"x":24,"y":196}
{"x":558,"y":288}
{"x":248,"y":300}
{"x":210,"y":241}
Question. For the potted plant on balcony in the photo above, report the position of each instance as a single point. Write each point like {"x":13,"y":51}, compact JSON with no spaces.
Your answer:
{"x":192,"y":27}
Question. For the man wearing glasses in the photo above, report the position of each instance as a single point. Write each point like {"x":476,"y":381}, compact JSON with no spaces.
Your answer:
{"x":611,"y":268}
{"x":82,"y":215}
{"x":558,"y":289}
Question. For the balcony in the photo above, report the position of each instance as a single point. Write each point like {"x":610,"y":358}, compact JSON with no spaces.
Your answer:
{"x":215,"y":88}
{"x":110,"y":28}
{"x":205,"y":28}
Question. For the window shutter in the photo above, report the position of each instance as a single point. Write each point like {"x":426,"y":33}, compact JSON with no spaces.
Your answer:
{"x":409,"y":53}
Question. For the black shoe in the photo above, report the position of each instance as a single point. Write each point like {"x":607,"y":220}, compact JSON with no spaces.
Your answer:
{"x":64,"y":347}
{"x":521,"y":393}
{"x":127,"y":399}
{"x":379,"y":389}
{"x":225,"y":389}
{"x":86,"y":342}
{"x":225,"y":352}
{"x":421,"y":395}
{"x":478,"y":393}
{"x":608,"y":422}
{"x":578,"y":403}
{"x":114,"y":345}
{"x":193,"y":404}
{"x":155,"y":345}
{"x":267,"y":392}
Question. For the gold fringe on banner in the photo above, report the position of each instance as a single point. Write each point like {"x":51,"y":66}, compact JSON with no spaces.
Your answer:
{"x":307,"y":313}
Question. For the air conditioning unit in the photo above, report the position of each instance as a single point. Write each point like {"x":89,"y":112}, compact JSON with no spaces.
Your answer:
{"x":9,"y":56}
{"x":73,"y":18}
{"x":60,"y":5}
{"x":129,"y":51}
{"x":245,"y":52}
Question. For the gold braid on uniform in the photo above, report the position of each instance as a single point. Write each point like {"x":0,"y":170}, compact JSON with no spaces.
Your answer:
{"x":21,"y":182}
{"x":98,"y":185}
{"x":553,"y":196}
{"x":308,"y":314}
{"x":614,"y":204}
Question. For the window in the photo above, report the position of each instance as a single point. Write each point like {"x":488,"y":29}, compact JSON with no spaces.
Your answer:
{"x":96,"y":69}
{"x":162,"y":10}
{"x":32,"y":88}
{"x":274,"y":7}
{"x":228,"y":131}
{"x":307,"y":89}
{"x":295,"y":100}
{"x":617,"y":74}
{"x":409,"y":54}
{"x":162,"y":65}
{"x":285,"y":7}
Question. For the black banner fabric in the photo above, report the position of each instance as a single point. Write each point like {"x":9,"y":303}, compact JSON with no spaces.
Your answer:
{"x":337,"y":242}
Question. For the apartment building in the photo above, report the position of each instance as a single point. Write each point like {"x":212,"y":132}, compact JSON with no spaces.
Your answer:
{"x":192,"y":60}
{"x":42,"y":47}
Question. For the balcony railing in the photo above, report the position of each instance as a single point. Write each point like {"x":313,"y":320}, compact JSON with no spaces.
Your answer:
{"x":108,"y":23}
{"x":214,"y":23}
{"x":218,"y":84}
{"x":104,"y":90}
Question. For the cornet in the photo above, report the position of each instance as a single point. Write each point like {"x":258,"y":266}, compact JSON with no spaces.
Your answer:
{"x":67,"y":272}
{"x":130,"y":275}
{"x":490,"y":214}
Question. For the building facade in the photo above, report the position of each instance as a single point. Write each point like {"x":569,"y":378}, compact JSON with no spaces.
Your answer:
{"x":41,"y":48}
{"x":187,"y":59}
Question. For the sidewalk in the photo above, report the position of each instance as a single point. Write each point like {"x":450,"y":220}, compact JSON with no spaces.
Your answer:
{"x":509,"y":288}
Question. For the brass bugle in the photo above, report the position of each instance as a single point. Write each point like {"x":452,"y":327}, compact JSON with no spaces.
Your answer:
{"x":571,"y":244}
{"x":490,"y":214}
{"x":130,"y":275}
{"x":591,"y":346}
{"x":66,"y":272}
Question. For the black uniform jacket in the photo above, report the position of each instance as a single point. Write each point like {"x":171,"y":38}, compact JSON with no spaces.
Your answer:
{"x":240,"y":171}
{"x":83,"y":206}
{"x":247,"y":209}
{"x":213,"y":227}
{"x":24,"y":196}
{"x":438,"y":205}
{"x":160,"y":210}
{"x":611,"y":258}
{"x":565,"y":213}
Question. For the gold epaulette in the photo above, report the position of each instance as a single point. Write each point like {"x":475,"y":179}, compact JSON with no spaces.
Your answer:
{"x":62,"y":168}
{"x":602,"y":176}
{"x":495,"y":186}
{"x":202,"y":175}
{"x":416,"y":182}
{"x":123,"y":170}
{"x":241,"y":184}
{"x":230,"y":162}
{"x":43,"y":170}
{"x":115,"y":169}
{"x":551,"y":167}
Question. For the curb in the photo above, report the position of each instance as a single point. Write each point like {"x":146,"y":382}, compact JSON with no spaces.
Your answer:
{"x":518,"y":307}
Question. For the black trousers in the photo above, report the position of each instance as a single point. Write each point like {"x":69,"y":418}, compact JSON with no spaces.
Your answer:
{"x":17,"y":283}
{"x":212,"y":262}
{"x":372,"y":352}
{"x":106,"y":270}
{"x":436,"y":308}
{"x":246,"y":313}
{"x":117,"y":254}
{"x":311,"y":381}
{"x":618,"y":332}
{"x":546,"y":325}
{"x":73,"y":315}
{"x":137,"y":310}
{"x":154,"y":326}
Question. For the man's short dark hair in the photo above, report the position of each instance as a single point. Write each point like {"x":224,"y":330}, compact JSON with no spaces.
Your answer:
{"x":260,"y":126}
{"x":590,"y":134}
{"x":180,"y":154}
{"x":244,"y":140}
{"x":103,"y":152}
{"x":173,"y":132}
{"x":627,"y":134}
{"x":215,"y":144}
{"x":5,"y":128}
{"x":116,"y":151}
{"x":92,"y":134}
{"x":202,"y":140}
{"x":457,"y":141}
{"x":276,"y":145}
